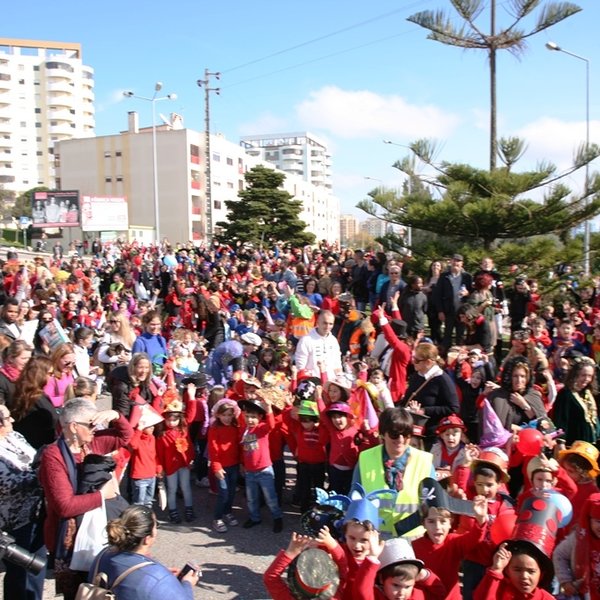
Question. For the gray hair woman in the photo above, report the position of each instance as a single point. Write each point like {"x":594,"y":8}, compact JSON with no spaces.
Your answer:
{"x":21,"y":501}
{"x":58,"y":475}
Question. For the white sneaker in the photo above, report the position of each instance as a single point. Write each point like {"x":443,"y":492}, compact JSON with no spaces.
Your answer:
{"x":231,"y":520}
{"x":219,"y":525}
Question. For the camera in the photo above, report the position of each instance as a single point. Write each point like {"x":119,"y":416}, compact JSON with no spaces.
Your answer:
{"x":19,"y":556}
{"x":188,"y":567}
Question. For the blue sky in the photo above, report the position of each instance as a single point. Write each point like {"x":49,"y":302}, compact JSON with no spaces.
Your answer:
{"x":353,"y":73}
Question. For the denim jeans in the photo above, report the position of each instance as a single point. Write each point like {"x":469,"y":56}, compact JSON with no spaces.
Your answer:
{"x":143,"y":491}
{"x":226,"y":491}
{"x":261,"y":480}
{"x":181,"y":479}
{"x":18,"y":582}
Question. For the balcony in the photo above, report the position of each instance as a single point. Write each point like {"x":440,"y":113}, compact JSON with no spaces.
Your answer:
{"x":89,"y":121}
{"x":62,"y":85}
{"x":61,"y":129}
{"x":6,"y":171}
{"x":60,"y":99}
{"x":5,"y":141}
{"x":6,"y":126}
{"x":60,"y":114}
{"x":196,"y":210}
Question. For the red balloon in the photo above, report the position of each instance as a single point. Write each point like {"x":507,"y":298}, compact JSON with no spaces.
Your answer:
{"x":531,"y":442}
{"x":502,"y":527}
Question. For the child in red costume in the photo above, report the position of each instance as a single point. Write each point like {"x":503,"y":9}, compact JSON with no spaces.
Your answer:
{"x":513,"y":576}
{"x":391,"y":572}
{"x":587,"y":550}
{"x":443,"y":551}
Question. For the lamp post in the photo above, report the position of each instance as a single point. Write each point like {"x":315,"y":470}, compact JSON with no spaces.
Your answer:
{"x":586,"y":228}
{"x":153,"y":100}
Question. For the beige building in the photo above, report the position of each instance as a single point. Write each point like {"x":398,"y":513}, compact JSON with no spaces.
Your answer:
{"x":46,"y":95}
{"x":374,"y":227}
{"x":122,"y":165}
{"x":348,"y":228}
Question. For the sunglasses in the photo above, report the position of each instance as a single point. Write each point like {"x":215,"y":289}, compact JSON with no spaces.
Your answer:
{"x":89,"y":425}
{"x":395,"y":435}
{"x":114,"y":321}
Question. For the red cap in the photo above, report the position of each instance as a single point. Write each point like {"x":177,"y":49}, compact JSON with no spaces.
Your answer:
{"x":450,"y":422}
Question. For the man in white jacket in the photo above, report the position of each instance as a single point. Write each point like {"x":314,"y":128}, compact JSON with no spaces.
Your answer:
{"x":320,"y":347}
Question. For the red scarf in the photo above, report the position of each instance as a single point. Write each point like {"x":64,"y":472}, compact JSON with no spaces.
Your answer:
{"x":12,"y":373}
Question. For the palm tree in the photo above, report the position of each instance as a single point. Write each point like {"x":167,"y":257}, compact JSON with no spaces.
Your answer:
{"x":512,"y":38}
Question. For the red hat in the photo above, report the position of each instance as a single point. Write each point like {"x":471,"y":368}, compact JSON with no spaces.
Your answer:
{"x":450,"y":422}
{"x":495,"y":459}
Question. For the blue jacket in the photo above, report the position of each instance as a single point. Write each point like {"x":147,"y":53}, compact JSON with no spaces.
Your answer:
{"x":154,"y":345}
{"x":152,"y":582}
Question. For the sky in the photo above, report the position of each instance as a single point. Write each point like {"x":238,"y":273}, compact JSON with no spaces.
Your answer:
{"x":352,"y":73}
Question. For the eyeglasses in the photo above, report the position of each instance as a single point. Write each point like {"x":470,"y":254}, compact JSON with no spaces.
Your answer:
{"x":395,"y":435}
{"x":89,"y":425}
{"x":114,"y":321}
{"x":419,"y":360}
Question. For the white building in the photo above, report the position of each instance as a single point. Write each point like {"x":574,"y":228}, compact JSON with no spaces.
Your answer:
{"x":301,"y":154}
{"x":375,"y":227}
{"x":121,"y":165}
{"x":348,"y":228}
{"x":46,"y":95}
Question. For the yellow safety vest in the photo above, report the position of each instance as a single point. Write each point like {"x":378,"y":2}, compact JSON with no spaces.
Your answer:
{"x":407,"y":500}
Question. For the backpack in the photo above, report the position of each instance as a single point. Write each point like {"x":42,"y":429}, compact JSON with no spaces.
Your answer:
{"x":98,"y":589}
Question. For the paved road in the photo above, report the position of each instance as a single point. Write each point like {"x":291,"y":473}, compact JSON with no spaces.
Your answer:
{"x":232,"y":562}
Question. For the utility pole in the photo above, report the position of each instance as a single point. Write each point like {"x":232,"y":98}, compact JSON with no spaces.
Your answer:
{"x":208,"y":188}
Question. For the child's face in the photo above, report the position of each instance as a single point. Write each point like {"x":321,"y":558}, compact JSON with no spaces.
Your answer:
{"x":476,"y":379}
{"x":357,"y":541}
{"x":226,"y":416}
{"x":339,"y":420}
{"x":486,"y":485}
{"x":307,"y":423}
{"x":334,"y":393}
{"x":172,"y":420}
{"x":574,"y":472}
{"x":451,"y":437}
{"x":437,"y":526}
{"x":524,"y":573}
{"x":376,"y":378}
{"x":537,"y":328}
{"x":398,"y":588}
{"x":252,"y":419}
{"x":565,"y":331}
{"x":595,"y":527}
{"x":543,"y":480}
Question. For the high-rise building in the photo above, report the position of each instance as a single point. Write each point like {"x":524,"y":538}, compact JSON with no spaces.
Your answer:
{"x":120,"y":165}
{"x":46,"y":95}
{"x":301,"y":154}
{"x":375,"y":227}
{"x":348,"y":228}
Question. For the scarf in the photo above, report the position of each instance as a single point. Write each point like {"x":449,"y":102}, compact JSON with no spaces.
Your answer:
{"x":67,"y":528}
{"x":11,"y":372}
{"x":588,"y":404}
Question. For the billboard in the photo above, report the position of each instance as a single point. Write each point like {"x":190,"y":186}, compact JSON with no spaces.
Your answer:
{"x":55,"y":209}
{"x":104,"y":213}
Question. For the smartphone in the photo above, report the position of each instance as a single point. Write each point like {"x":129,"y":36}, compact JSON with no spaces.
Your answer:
{"x":186,"y":569}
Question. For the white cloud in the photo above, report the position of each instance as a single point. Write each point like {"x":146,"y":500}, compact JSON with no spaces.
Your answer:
{"x":362,"y":113}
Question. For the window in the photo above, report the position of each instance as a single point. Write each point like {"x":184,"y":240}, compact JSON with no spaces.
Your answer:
{"x":216,"y":157}
{"x":107,"y":154}
{"x":195,"y":154}
{"x":57,"y":182}
{"x":72,"y":111}
{"x":39,"y":153}
{"x":38,"y":125}
{"x":53,"y":123}
{"x":119,"y":178}
{"x":217,"y":204}
{"x":229,"y":161}
{"x":38,"y":111}
{"x":108,"y":180}
{"x":118,"y":153}
{"x":23,"y":124}
{"x":35,"y":68}
{"x":230,"y":185}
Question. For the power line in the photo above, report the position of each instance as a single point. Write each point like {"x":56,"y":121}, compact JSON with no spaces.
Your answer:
{"x":314,"y":60}
{"x":324,"y":37}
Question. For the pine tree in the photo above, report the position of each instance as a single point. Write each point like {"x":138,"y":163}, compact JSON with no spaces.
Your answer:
{"x":264,"y":213}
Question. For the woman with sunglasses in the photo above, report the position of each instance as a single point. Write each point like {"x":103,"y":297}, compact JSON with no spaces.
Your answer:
{"x":63,"y":362}
{"x":81,"y":435}
{"x":40,"y":346}
{"x":115,"y":348}
{"x":14,"y":359}
{"x":395,"y":465}
{"x":35,"y":416}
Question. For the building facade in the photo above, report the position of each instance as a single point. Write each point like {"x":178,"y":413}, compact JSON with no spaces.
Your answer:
{"x":46,"y":96}
{"x":122,"y":165}
{"x":348,"y":228}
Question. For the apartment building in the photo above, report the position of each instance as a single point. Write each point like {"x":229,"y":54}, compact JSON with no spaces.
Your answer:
{"x":46,"y":96}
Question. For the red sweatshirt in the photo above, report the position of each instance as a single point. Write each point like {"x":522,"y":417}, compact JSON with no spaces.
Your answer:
{"x":430,"y":588}
{"x":255,"y":445}
{"x":494,"y":586}
{"x":308,"y":445}
{"x":444,"y":559}
{"x":174,"y":450}
{"x":143,"y":463}
{"x":343,"y":452}
{"x":564,"y":485}
{"x":483,"y":553}
{"x":223,"y":446}
{"x":277,"y":437}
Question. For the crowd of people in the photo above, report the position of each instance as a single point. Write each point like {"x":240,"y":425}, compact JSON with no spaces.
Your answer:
{"x":443,"y":426}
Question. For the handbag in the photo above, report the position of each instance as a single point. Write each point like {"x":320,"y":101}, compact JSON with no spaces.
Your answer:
{"x":91,"y":538}
{"x":98,"y":589}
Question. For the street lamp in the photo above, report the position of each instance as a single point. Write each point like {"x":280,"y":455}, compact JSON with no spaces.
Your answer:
{"x":153,"y":100}
{"x":586,"y":228}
